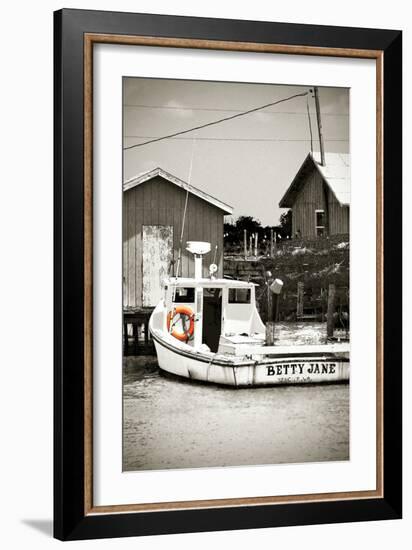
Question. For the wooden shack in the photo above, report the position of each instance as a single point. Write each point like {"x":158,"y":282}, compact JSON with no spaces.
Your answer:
{"x":153,"y":208}
{"x":319,"y":197}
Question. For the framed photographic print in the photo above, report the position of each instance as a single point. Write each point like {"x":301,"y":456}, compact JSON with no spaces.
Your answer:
{"x":227,"y":274}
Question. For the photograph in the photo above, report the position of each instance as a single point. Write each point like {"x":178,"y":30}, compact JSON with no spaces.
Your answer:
{"x":227,"y":273}
{"x":236,"y":274}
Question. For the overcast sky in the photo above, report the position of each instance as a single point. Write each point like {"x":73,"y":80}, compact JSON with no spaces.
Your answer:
{"x":247,"y":162}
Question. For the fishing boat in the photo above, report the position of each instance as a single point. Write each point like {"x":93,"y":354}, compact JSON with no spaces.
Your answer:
{"x":209,"y":329}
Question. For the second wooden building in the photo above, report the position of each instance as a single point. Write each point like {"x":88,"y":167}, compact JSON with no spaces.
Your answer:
{"x":319,"y":197}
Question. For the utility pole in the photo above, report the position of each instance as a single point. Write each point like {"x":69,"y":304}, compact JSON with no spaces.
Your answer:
{"x":322,"y":150}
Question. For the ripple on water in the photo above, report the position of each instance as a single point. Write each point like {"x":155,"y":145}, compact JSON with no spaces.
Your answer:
{"x":172,"y":422}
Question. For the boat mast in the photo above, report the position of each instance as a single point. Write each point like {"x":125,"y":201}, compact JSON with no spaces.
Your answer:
{"x":189,"y":179}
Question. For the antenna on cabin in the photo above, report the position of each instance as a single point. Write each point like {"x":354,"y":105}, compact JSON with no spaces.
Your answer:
{"x":322,"y":150}
{"x":213,"y":266}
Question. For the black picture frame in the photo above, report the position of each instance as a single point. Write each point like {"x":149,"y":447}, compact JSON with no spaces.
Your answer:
{"x":71,"y":521}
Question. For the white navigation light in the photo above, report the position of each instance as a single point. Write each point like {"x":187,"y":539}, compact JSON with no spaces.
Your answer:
{"x":276,"y":286}
{"x":212,"y":269}
{"x":198,"y":247}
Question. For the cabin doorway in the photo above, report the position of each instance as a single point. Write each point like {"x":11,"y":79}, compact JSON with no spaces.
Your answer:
{"x":212,"y":317}
{"x":157,"y":255}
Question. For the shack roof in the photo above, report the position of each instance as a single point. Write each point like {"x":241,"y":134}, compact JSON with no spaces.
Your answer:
{"x":335,"y":172}
{"x":141,"y":178}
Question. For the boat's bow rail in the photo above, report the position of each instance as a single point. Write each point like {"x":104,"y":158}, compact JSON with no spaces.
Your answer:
{"x":299,"y":350}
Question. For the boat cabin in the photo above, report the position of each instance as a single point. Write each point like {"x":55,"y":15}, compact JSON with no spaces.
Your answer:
{"x":211,"y":310}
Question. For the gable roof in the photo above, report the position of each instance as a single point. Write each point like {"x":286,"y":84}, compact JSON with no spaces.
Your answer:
{"x":336,"y":174}
{"x":141,"y":178}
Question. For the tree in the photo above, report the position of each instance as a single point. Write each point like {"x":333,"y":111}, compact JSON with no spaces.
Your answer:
{"x":285,"y":227}
{"x":234,"y":232}
{"x":249,"y":223}
{"x":230,"y":233}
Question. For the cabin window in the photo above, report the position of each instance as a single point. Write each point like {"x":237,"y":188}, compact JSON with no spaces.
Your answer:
{"x":215,"y":293}
{"x":184,"y":295}
{"x":320,"y":223}
{"x":239,"y":295}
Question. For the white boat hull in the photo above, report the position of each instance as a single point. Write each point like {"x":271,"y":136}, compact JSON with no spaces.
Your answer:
{"x":265,"y":371}
{"x":241,"y":358}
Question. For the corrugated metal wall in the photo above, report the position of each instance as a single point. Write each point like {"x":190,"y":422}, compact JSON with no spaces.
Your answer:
{"x":312,"y":197}
{"x":159,"y":202}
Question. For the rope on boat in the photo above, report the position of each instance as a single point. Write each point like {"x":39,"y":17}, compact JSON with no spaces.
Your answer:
{"x":234,"y":375}
{"x":173,"y":316}
{"x":209,"y":365}
{"x":214,"y":257}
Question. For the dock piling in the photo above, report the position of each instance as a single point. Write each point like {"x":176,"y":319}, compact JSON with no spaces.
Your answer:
{"x":270,"y":333}
{"x":271,"y":243}
{"x":274,"y":289}
{"x":330,"y":321}
{"x":299,"y":304}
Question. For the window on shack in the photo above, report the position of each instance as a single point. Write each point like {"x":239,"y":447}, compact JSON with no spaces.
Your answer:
{"x":184,"y":295}
{"x":239,"y":295}
{"x":320,"y":222}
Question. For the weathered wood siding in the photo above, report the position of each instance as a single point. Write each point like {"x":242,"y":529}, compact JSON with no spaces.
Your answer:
{"x":316,"y":195}
{"x":157,"y":242}
{"x":159,"y":202}
{"x":338,"y":216}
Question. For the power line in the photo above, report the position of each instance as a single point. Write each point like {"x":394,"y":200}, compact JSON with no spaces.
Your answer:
{"x":218,"y":110}
{"x":237,"y":115}
{"x":231,"y":139}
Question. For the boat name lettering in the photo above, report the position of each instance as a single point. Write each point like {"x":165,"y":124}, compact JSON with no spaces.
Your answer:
{"x":287,"y":369}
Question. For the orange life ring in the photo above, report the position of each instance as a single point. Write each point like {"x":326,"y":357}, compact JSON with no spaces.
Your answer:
{"x":186,"y":334}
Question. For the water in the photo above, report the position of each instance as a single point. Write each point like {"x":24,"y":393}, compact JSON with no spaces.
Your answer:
{"x":172,"y":422}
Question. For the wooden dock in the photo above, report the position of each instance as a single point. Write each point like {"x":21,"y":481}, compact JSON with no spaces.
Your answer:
{"x":136,"y":337}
